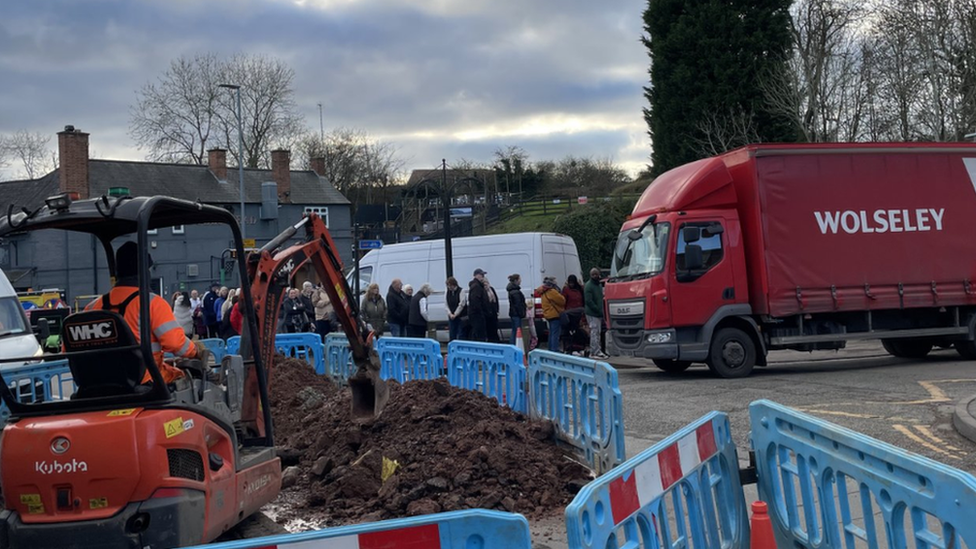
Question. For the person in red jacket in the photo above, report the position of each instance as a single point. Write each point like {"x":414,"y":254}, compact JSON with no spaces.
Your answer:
{"x":167,"y":335}
{"x":236,"y":317}
{"x":573,"y":292}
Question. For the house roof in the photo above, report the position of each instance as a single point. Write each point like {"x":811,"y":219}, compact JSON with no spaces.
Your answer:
{"x":186,"y":181}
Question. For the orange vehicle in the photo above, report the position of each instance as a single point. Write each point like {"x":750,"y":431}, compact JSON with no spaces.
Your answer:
{"x":125,"y":464}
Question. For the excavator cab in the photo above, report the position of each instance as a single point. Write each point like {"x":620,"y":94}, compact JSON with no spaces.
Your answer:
{"x":131,"y":460}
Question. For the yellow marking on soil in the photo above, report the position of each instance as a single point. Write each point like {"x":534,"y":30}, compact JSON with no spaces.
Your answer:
{"x":908,"y":433}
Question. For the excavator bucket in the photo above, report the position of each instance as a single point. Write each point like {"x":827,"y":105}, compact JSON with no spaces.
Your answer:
{"x":369,"y":394}
{"x":369,"y":391}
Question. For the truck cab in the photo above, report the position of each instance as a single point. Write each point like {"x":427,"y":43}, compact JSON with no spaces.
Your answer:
{"x":678,"y":271}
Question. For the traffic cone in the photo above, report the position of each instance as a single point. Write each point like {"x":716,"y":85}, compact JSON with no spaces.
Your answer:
{"x":518,"y":340}
{"x":761,"y":528}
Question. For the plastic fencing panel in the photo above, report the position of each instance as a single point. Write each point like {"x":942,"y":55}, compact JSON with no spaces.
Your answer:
{"x":304,"y":346}
{"x":217,"y":347}
{"x":38,"y":382}
{"x":582,"y":397}
{"x":683,"y":492}
{"x":830,"y":487}
{"x":307,"y":347}
{"x":476,"y":529}
{"x":339,"y":365}
{"x":493,"y":369}
{"x":233,"y":346}
{"x":407,"y":358}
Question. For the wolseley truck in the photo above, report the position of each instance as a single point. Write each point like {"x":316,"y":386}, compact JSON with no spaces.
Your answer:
{"x":799,"y":247}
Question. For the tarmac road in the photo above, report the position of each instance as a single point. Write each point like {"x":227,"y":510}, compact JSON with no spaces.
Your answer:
{"x":907,"y":403}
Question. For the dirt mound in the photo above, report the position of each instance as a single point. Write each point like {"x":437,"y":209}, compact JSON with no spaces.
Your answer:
{"x":297,"y":396}
{"x":435,"y":448}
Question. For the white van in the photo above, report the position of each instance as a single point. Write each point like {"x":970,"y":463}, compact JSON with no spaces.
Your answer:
{"x":16,"y":337}
{"x":531,"y":255}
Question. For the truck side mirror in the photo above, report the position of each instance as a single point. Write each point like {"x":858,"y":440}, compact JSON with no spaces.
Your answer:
{"x":691,"y":234}
{"x":635,"y":235}
{"x":693,"y":257}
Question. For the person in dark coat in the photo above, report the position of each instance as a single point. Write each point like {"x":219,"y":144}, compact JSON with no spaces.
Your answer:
{"x":455,"y":301}
{"x":516,"y":304}
{"x":296,"y":315}
{"x":397,"y":309}
{"x":419,"y":315}
{"x":478,"y":306}
{"x":209,"y":316}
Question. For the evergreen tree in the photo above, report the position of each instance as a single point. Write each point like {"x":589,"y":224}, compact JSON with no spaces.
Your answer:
{"x":707,"y":61}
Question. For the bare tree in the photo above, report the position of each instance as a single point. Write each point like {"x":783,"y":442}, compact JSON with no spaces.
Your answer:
{"x":512,"y":161}
{"x":823,"y":89}
{"x":360,"y":167}
{"x":30,"y":151}
{"x":268,"y":107}
{"x":185,"y":112}
{"x":726,"y":132}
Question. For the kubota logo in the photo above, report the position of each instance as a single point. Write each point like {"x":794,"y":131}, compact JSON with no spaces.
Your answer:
{"x":87,"y":332}
{"x":60,"y":445}
{"x":56,"y":467}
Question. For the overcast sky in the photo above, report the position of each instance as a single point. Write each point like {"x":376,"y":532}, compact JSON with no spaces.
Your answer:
{"x":438,"y":78}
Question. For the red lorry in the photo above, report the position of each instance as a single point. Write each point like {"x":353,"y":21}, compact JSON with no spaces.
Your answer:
{"x":805,"y":247}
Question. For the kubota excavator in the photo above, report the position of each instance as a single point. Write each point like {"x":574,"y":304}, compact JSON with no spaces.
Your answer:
{"x":127,"y":464}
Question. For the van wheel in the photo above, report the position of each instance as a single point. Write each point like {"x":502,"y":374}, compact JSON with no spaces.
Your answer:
{"x":966,"y":349}
{"x":732,"y":353}
{"x":672,"y":366}
{"x":907,"y":348}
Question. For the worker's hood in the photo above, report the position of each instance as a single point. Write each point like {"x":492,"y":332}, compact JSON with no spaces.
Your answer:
{"x":15,"y":346}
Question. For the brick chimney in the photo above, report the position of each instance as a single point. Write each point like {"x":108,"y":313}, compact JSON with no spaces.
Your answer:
{"x":217,"y":162}
{"x":318,"y":165}
{"x":281,"y":172}
{"x":73,"y":160}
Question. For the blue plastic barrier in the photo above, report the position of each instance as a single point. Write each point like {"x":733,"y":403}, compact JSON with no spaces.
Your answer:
{"x":339,"y":365}
{"x":820,"y":481}
{"x":683,"y":492}
{"x":582,"y":397}
{"x":217,"y":347}
{"x":407,"y":358}
{"x":45,"y":381}
{"x":493,"y":369}
{"x":475,"y":529}
{"x":233,"y":345}
{"x":303,"y":346}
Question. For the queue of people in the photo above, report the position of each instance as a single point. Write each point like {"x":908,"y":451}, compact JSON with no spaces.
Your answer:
{"x":573,"y":312}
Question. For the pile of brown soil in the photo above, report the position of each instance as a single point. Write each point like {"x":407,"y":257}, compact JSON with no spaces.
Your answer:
{"x":454,"y":449}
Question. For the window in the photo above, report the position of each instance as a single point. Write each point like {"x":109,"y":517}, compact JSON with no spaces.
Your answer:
{"x":365,"y":277}
{"x":178,"y":229}
{"x":321,"y":211}
{"x":711,"y":246}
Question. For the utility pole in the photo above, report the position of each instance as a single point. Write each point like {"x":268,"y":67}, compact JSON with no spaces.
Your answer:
{"x":240,"y":151}
{"x":321,"y":125}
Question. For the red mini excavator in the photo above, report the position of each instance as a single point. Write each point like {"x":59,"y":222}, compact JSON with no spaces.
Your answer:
{"x":128,"y":464}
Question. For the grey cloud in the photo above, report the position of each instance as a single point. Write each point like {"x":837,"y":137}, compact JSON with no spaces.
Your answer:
{"x":386,"y":67}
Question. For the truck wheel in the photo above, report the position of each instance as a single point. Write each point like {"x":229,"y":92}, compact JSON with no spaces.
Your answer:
{"x":966,"y":349}
{"x":906,"y":348}
{"x":672,"y":366}
{"x":732,"y":354}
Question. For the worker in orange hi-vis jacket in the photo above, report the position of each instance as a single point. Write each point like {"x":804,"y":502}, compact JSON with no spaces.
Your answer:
{"x":167,"y":335}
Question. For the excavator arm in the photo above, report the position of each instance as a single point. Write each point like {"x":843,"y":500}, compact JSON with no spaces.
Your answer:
{"x":271,"y":270}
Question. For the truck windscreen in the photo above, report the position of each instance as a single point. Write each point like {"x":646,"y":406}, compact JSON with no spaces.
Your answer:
{"x":644,"y":256}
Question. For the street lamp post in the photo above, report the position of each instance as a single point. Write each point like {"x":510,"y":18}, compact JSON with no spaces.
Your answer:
{"x":445,"y":193}
{"x":240,"y":151}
